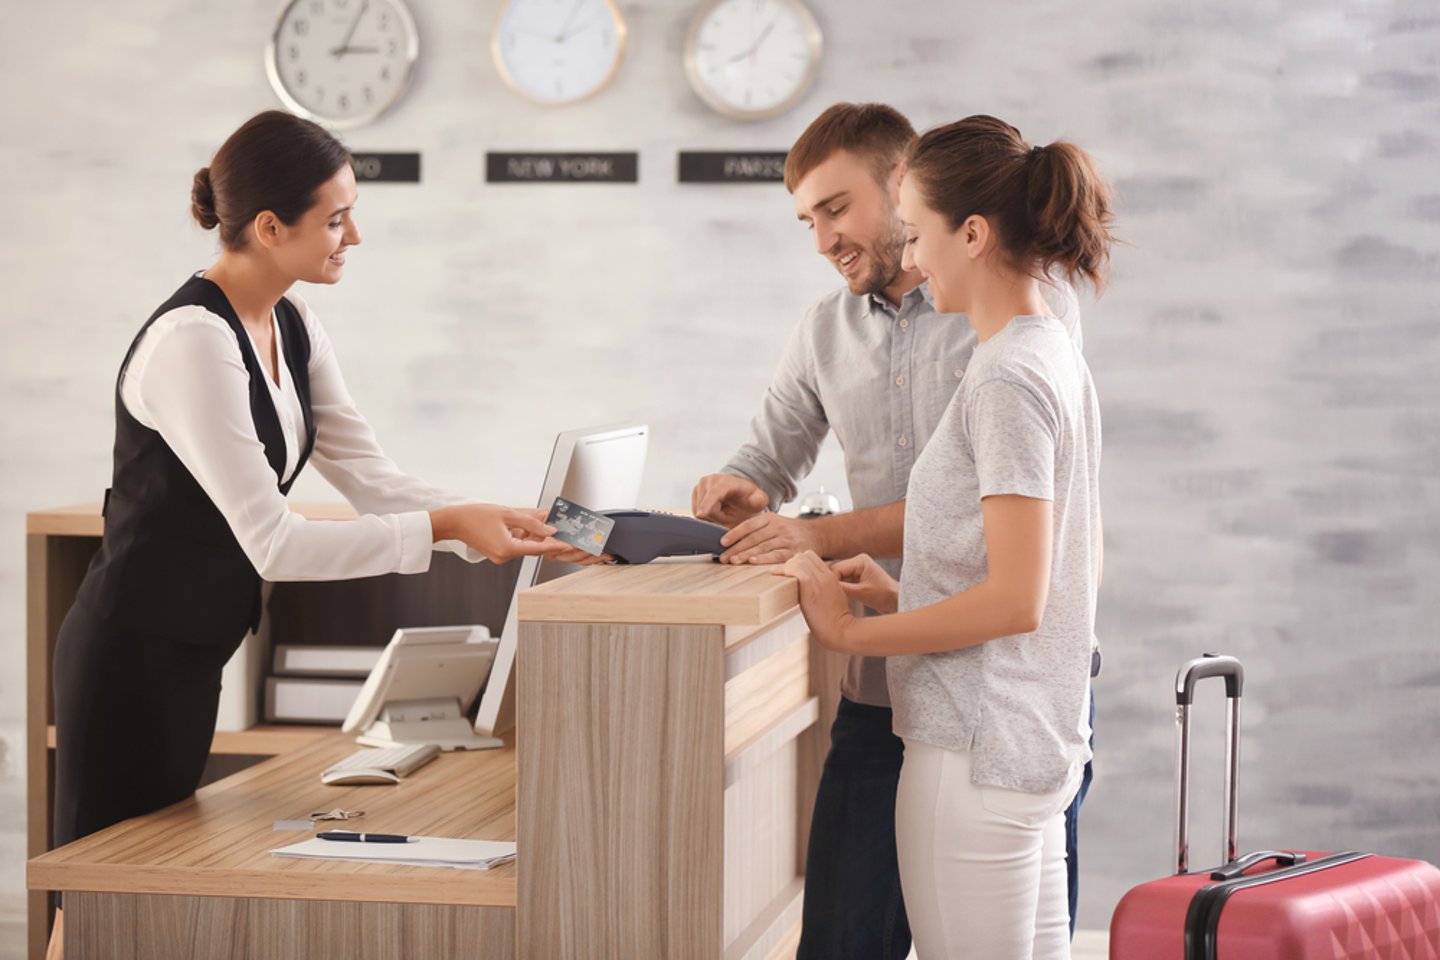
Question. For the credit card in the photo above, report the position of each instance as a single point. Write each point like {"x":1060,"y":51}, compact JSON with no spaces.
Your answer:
{"x":580,"y":527}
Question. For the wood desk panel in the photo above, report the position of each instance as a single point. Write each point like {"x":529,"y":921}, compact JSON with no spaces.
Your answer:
{"x":102,"y":926}
{"x":217,"y":844}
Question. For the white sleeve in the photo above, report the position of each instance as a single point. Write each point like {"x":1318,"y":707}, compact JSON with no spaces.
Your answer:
{"x":195,"y":392}
{"x":348,"y":455}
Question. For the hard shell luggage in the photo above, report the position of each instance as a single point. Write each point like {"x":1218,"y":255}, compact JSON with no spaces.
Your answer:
{"x":1272,"y":904}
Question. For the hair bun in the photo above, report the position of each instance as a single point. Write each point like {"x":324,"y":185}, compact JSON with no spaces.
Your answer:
{"x":202,"y":200}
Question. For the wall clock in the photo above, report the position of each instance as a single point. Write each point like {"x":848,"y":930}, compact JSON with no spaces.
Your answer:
{"x":752,"y":59}
{"x":558,"y":51}
{"x":342,"y":62}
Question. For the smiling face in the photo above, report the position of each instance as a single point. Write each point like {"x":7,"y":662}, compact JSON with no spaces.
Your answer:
{"x":854,"y":219}
{"x":313,"y":249}
{"x":946,"y":257}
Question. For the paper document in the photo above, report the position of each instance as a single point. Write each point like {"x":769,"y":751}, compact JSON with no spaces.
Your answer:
{"x":421,"y":852}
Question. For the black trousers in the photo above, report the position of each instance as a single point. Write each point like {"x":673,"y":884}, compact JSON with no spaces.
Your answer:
{"x":134,"y":717}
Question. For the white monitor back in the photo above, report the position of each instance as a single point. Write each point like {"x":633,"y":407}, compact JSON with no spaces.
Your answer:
{"x":600,"y":468}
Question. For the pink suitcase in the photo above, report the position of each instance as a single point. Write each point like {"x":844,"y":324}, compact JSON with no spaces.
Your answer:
{"x":1272,"y":904}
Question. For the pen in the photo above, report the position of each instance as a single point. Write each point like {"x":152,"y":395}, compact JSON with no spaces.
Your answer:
{"x":365,"y":837}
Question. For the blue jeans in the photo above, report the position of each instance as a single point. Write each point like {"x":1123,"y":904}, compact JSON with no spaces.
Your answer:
{"x":1072,"y":825}
{"x":853,"y":906}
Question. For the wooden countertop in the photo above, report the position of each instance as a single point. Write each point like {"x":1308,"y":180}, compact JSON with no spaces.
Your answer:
{"x":84,"y":520}
{"x":685,"y":592}
{"x":218,"y":842}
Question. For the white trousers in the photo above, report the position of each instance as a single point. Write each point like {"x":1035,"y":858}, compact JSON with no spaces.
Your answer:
{"x":982,"y":868}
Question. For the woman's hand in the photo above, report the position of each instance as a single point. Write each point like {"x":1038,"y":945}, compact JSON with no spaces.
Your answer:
{"x":865,"y":580}
{"x":822,"y":600}
{"x":504,"y":533}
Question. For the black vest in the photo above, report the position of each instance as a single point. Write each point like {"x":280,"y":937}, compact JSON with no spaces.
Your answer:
{"x":168,"y":564}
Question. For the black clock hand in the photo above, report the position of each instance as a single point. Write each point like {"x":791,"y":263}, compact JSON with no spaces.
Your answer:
{"x":344,"y":47}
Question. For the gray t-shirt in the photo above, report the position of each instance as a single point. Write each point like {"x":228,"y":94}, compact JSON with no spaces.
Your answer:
{"x":1025,"y":421}
{"x":881,"y":377}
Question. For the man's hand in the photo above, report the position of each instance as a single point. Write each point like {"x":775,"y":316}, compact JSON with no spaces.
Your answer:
{"x":769,"y":538}
{"x":726,"y":499}
{"x":865,"y":580}
{"x":822,"y":601}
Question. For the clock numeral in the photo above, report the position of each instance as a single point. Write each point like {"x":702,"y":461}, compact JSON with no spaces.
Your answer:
{"x":368,"y":94}
{"x":293,"y":52}
{"x":343,"y":101}
{"x":384,"y":22}
{"x":302,"y":27}
{"x":300,"y":78}
{"x":319,"y":94}
{"x":392,"y":47}
{"x":385,"y":73}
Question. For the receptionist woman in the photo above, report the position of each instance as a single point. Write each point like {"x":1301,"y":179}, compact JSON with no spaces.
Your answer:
{"x":227,"y":392}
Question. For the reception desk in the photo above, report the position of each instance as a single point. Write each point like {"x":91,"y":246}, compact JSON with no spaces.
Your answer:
{"x":672,"y":720}
{"x":670,"y":742}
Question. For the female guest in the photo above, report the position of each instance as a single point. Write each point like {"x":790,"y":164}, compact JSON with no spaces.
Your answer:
{"x":228,"y":390}
{"x":990,"y":656}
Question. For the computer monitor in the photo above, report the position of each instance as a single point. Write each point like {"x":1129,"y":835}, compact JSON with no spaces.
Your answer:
{"x":600,"y":468}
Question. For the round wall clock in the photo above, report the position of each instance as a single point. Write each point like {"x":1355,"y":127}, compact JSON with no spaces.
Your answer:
{"x":752,"y":59}
{"x":558,"y":51}
{"x":342,"y":62}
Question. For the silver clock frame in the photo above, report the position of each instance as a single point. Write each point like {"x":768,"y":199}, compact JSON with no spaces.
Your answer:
{"x":272,"y":70}
{"x":813,"y":38}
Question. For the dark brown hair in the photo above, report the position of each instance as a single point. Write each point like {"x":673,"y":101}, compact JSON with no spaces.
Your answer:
{"x":871,"y":131}
{"x":1049,"y":205}
{"x":275,"y":161}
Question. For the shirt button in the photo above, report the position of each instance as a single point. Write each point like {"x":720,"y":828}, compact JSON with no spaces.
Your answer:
{"x":959,"y":373}
{"x":903,"y":441}
{"x":899,"y":381}
{"x":904,"y":323}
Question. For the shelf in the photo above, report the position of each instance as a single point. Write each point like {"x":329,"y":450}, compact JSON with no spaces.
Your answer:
{"x":262,"y":740}
{"x":84,"y":520}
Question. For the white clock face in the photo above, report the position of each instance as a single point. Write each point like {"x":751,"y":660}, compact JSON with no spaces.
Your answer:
{"x":342,"y":62}
{"x":558,"y":51}
{"x":752,"y":59}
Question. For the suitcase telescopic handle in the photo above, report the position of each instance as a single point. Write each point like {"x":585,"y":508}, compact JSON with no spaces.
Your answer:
{"x":1210,"y":665}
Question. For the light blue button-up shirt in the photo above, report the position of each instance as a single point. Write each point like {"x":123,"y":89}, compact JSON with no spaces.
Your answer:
{"x":880,"y":376}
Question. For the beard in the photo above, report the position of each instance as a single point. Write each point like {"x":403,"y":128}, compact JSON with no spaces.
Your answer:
{"x":885,"y":254}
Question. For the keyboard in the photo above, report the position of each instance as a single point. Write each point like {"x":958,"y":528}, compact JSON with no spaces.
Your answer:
{"x":400,"y":761}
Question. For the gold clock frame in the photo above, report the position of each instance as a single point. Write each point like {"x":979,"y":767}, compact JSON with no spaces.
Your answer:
{"x":621,"y":38}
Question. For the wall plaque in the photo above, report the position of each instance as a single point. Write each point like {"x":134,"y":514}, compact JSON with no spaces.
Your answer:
{"x":562,"y":167}
{"x":727,"y":166}
{"x":386,"y":167}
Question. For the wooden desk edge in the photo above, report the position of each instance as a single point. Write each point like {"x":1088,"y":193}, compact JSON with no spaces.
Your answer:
{"x":441,"y":886}
{"x":563,"y":600}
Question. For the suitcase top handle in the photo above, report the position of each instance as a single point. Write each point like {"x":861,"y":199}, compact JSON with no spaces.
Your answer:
{"x":1210,"y":665}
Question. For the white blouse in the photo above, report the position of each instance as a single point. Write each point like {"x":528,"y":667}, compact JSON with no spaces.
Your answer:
{"x":187,"y":381}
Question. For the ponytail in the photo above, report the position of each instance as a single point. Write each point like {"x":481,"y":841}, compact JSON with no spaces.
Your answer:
{"x":1049,"y":205}
{"x":1068,"y":211}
